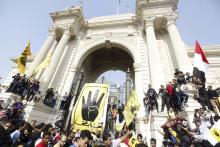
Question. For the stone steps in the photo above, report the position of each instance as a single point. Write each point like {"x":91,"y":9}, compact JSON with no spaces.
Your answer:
{"x":7,"y":98}
{"x":40,"y":112}
{"x":37,"y":111}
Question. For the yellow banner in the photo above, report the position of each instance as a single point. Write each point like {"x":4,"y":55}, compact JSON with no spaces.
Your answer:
{"x":91,"y":106}
{"x":131,"y":108}
{"x":214,"y":135}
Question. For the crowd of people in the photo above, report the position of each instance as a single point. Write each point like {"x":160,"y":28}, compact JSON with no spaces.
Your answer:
{"x":24,"y":87}
{"x":175,"y":96}
{"x":29,"y":90}
{"x":47,"y":135}
{"x":176,"y":132}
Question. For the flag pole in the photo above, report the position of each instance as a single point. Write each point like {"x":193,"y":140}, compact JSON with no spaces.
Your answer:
{"x":128,"y":8}
{"x":119,"y":1}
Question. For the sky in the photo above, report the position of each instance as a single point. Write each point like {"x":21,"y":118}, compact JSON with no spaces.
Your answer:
{"x":23,"y":20}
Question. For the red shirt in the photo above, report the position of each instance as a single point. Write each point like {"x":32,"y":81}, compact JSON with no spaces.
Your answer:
{"x":170,"y":90}
{"x":126,"y":141}
{"x":41,"y":144}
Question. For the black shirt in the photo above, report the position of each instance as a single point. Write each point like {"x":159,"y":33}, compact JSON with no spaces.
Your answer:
{"x":212,"y":93}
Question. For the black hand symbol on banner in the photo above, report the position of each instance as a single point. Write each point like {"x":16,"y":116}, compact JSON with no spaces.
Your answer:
{"x":90,"y":109}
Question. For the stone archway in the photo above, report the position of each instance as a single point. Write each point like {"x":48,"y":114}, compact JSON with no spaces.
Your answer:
{"x":104,"y":59}
{"x":88,"y":48}
{"x":98,"y":57}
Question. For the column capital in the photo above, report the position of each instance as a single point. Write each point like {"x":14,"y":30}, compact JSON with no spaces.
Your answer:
{"x":149,"y":21}
{"x":68,"y":31}
{"x":171,"y":19}
{"x":52,"y":31}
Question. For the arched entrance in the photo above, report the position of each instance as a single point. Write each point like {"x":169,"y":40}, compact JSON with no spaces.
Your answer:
{"x":105,"y":59}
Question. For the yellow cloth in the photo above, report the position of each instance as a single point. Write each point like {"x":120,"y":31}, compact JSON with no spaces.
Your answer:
{"x":133,"y":141}
{"x":22,"y":59}
{"x":175,"y":135}
{"x":131,"y":108}
{"x":119,"y":126}
{"x":28,"y":49}
{"x":215,"y":132}
{"x":44,"y":64}
{"x":90,"y":109}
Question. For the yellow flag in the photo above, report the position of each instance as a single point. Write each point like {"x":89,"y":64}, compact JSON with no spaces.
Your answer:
{"x":119,"y":126}
{"x":22,"y":59}
{"x":91,"y":106}
{"x":133,"y":141}
{"x":28,"y":49}
{"x":131,"y":108}
{"x":45,"y":63}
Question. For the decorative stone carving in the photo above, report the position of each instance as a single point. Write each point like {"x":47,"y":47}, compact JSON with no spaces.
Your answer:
{"x":52,"y":30}
{"x":149,"y":21}
{"x":171,"y":19}
{"x":137,"y":67}
{"x":68,"y":31}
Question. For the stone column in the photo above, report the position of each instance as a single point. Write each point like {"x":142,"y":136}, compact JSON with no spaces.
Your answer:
{"x":140,"y":120}
{"x":69,"y":81}
{"x":55,"y":59}
{"x":75,"y":97}
{"x":128,"y":85}
{"x":182,"y":57}
{"x":139,"y":88}
{"x":43,"y":52}
{"x":156,"y":69}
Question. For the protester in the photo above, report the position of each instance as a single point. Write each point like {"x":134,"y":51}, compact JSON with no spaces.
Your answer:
{"x":43,"y":142}
{"x":107,"y":139}
{"x":84,"y":138}
{"x":62,"y":141}
{"x":176,"y":131}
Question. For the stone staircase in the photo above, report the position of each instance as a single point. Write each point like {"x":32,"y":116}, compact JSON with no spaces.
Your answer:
{"x":41,"y":113}
{"x":34,"y":111}
{"x":156,"y":120}
{"x":7,"y":98}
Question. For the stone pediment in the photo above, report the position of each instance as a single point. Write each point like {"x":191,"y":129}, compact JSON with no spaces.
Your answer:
{"x":112,"y":20}
{"x":69,"y":18}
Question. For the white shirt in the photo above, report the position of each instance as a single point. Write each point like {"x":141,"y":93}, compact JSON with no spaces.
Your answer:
{"x":116,"y":142}
{"x":203,"y":130}
{"x":64,"y":98}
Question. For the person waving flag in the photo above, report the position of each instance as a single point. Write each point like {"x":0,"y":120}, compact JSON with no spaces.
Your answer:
{"x":200,"y":63}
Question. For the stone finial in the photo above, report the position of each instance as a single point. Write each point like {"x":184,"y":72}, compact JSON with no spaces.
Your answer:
{"x":128,"y":71}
